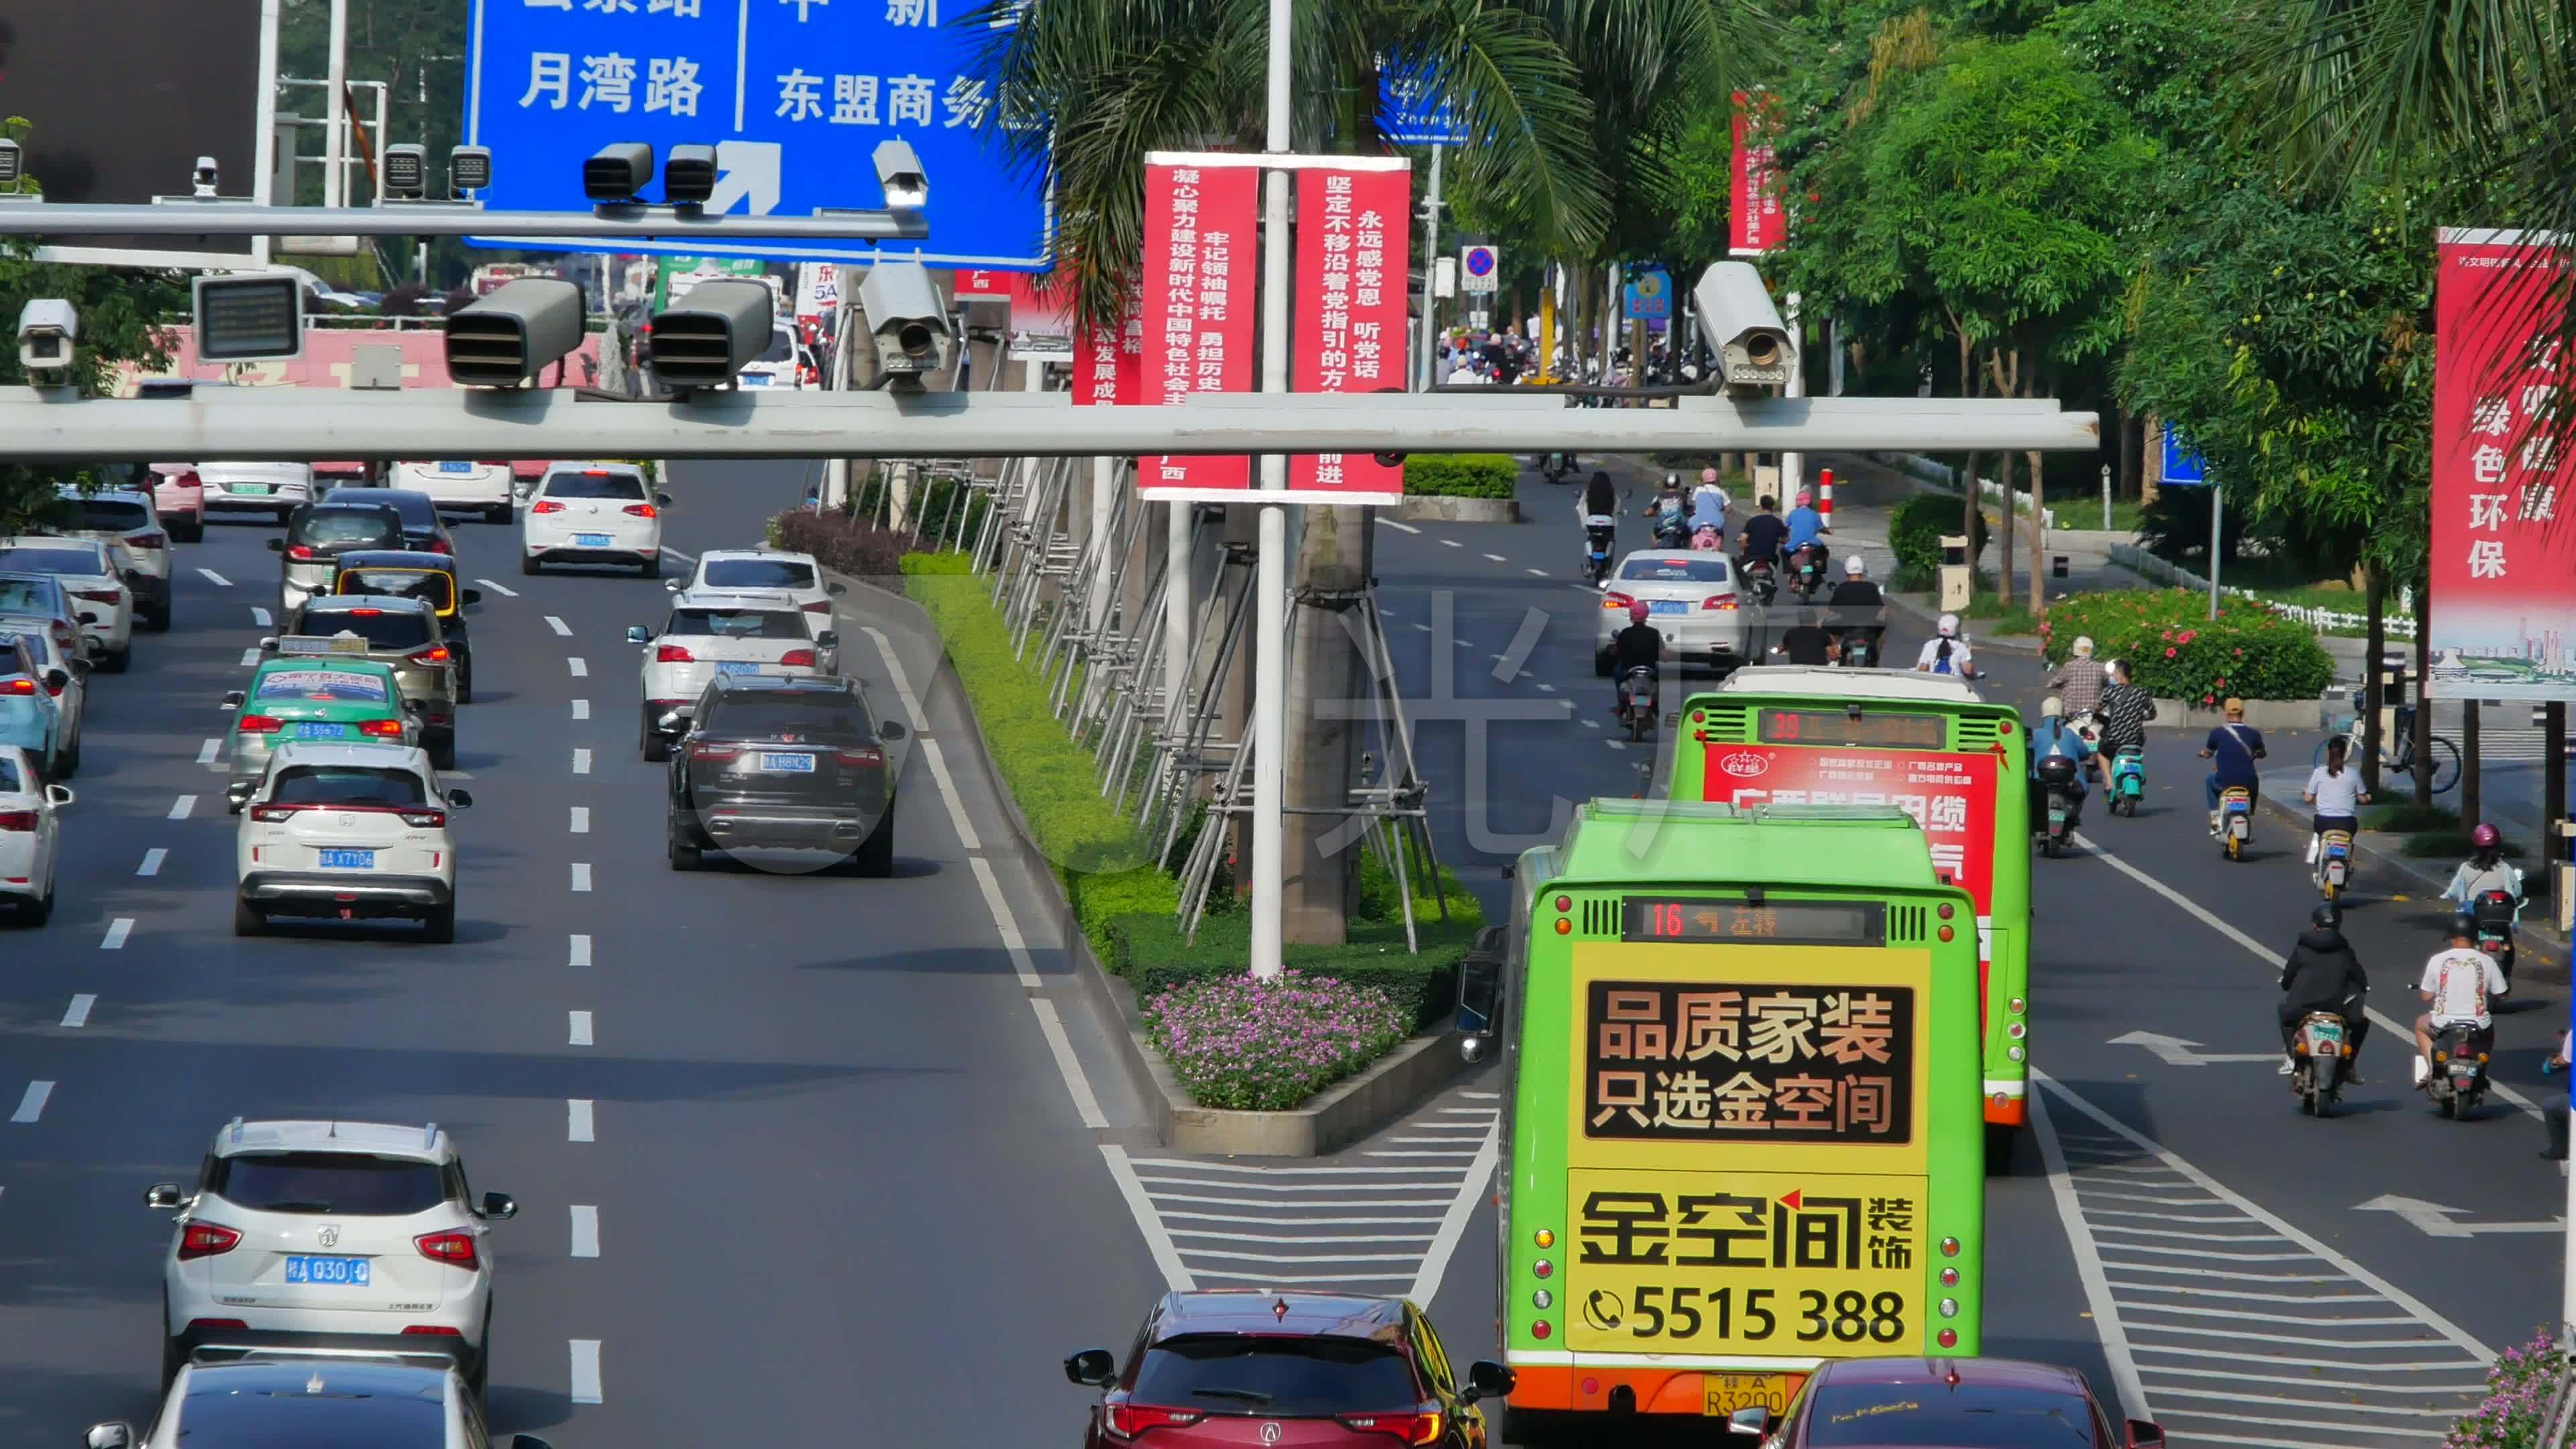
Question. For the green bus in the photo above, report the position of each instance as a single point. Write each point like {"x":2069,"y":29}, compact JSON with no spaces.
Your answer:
{"x":1739,"y":1046}
{"x":1934,"y":748}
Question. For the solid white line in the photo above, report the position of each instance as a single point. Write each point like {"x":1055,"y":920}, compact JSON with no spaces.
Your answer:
{"x":581,"y":820}
{"x":2088,"y":1268}
{"x":249,"y":658}
{"x":2266,"y":955}
{"x":2193,"y":1330}
{"x":1274,"y":1220}
{"x":2311,"y":1424}
{"x":577,"y":1120}
{"x":938,"y":762}
{"x":580,"y":1028}
{"x":496,"y":588}
{"x":179,"y":808}
{"x":78,"y":1014}
{"x":1451,"y":1155}
{"x":1066,"y":1063}
{"x":1453,"y":1225}
{"x":1486,"y":1112}
{"x":1267,"y":1280}
{"x":1166,"y":1257}
{"x":206,"y":752}
{"x":261,"y":616}
{"x":218,"y":580}
{"x":562,"y":629}
{"x":2236,"y":1397}
{"x":1391,"y":523}
{"x":2183,"y":1237}
{"x":32,"y":1105}
{"x":117,"y":931}
{"x":585,"y":1371}
{"x":1294,"y":1240}
{"x":580,"y":951}
{"x":2346,"y":1385}
{"x":1316,"y":1259}
{"x":902,"y":682}
{"x":1482,"y":1096}
{"x":2233,"y":1296}
{"x":581,"y":762}
{"x":2208,"y":1256}
{"x":152,"y":861}
{"x":1276,"y":1206}
{"x":585,"y":1231}
{"x":581,"y":709}
{"x":581,"y":875}
{"x":1196,"y":1166}
{"x":580,"y":667}
{"x":1011,"y":938}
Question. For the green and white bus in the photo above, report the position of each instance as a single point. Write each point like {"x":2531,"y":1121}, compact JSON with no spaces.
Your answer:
{"x":1932,"y":747}
{"x":1742,"y":1137}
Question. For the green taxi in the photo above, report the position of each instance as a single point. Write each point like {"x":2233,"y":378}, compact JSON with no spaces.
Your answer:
{"x":352,"y":701}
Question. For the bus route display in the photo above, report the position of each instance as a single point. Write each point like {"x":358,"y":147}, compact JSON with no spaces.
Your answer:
{"x":1841,"y":727}
{"x":1747,"y":922}
{"x":1695,"y":1061}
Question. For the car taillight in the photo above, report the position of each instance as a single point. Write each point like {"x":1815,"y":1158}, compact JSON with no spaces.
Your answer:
{"x":640,"y":510}
{"x":303,"y":553}
{"x":149,"y":540}
{"x":1616,"y":600}
{"x":205,"y":1240}
{"x":273,"y":814}
{"x":432,"y":1330}
{"x":545,"y":505}
{"x":383,"y":729}
{"x":425,"y":819}
{"x":96,"y":596}
{"x":440,"y":545}
{"x":17,"y":686}
{"x":1407,"y":1428}
{"x":259,"y":724}
{"x":202,"y":1325}
{"x":434,"y":654}
{"x":63,"y":635}
{"x":674,"y":654}
{"x":17,"y":820}
{"x":803,"y":657}
{"x":1717,"y":601}
{"x":365,"y":613}
{"x":860,"y":755}
{"x":716,"y":753}
{"x":455,"y":1248}
{"x":819,"y":606}
{"x":1126,"y":1421}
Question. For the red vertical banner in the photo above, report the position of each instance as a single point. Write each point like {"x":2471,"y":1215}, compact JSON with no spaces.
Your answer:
{"x":1755,"y":222}
{"x":1202,"y":255}
{"x":1109,"y":365}
{"x":1353,"y":233}
{"x":2503,"y":565}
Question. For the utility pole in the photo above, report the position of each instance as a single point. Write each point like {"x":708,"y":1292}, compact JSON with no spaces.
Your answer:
{"x":1793,"y":466}
{"x":1422,"y":365}
{"x":335,"y":188}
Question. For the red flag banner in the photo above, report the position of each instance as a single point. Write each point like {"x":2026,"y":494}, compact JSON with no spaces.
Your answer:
{"x":2504,"y":522}
{"x":1109,"y":366}
{"x":1353,"y":230}
{"x":1755,"y":222}
{"x":1202,"y":255}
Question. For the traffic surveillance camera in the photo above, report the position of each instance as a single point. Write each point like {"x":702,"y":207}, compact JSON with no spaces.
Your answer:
{"x":13,"y":162}
{"x":469,"y":168}
{"x":203,"y":178}
{"x":510,"y":336}
{"x":906,"y":318}
{"x":711,"y":334}
{"x":48,"y":329}
{"x":689,"y":176}
{"x":406,"y":171}
{"x":618,"y":173}
{"x":1754,"y":347}
{"x":899,"y":173}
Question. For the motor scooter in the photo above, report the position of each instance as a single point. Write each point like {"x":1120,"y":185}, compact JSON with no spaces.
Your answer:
{"x":1859,"y":648}
{"x":1808,"y":573}
{"x":2333,"y":872}
{"x":2057,"y":781}
{"x":1637,"y":700}
{"x":2235,"y":820}
{"x":2458,"y":1080}
{"x":2494,"y":912}
{"x":2320,"y":1061}
{"x":1600,"y":534}
{"x":1557,"y":467}
{"x":2128,"y":779}
{"x":1762,"y":577}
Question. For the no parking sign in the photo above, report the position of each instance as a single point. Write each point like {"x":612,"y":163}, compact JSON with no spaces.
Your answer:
{"x":1482,"y":266}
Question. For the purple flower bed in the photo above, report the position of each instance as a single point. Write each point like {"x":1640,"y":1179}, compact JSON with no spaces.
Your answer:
{"x":2518,"y":1390}
{"x":1266,"y":1046}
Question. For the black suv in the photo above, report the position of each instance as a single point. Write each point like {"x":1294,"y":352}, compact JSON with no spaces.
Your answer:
{"x":783,"y":763}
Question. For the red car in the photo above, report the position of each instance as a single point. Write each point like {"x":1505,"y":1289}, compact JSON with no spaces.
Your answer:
{"x":1285,"y":1371}
{"x":1943,"y":1403}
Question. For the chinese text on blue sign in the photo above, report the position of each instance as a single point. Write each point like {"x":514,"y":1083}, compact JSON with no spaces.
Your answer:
{"x":794,"y":94}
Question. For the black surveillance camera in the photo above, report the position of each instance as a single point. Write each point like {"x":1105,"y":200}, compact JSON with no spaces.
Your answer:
{"x":618,"y":173}
{"x":689,"y":175}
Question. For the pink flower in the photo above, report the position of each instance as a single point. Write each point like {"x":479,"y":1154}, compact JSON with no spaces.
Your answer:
{"x":2207,"y":698}
{"x":2169,"y":654}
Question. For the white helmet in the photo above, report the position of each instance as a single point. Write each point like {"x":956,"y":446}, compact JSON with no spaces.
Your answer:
{"x":2052,"y":708}
{"x":2084,"y":646}
{"x":1949,"y":626}
{"x":1853,"y":566}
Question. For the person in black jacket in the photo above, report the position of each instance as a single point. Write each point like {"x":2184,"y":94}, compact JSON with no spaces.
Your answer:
{"x":2323,"y":974}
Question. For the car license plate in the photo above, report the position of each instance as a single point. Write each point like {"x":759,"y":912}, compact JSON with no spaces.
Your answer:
{"x":737,"y":666}
{"x":787,"y":764}
{"x":1723,"y":1394}
{"x":455,"y":467}
{"x":755,"y":379}
{"x":590,"y":540}
{"x":346,"y":1272}
{"x":348,"y":860}
{"x":260,"y":488}
{"x":321,"y":731}
{"x":1668,"y":606}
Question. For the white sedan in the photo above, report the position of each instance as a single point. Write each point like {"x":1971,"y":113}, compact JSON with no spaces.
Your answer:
{"x":88,"y":571}
{"x":1691,"y":600}
{"x":712,"y":633}
{"x":30,"y":836}
{"x":270,"y":488}
{"x":461,"y":486}
{"x":593,"y":513}
{"x":796,"y":574}
{"x":70,"y":696}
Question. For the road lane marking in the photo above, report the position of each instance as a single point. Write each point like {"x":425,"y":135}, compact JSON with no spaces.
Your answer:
{"x":496,"y":588}
{"x":579,"y":1029}
{"x":218,"y":580}
{"x":1012,"y":941}
{"x":1050,"y":1025}
{"x":1507,"y":665}
{"x":581,"y":762}
{"x":585,"y":1371}
{"x":1451,"y":543}
{"x":1496,"y":558}
{"x":682,"y":554}
{"x":1535,"y":573}
{"x":249,"y":658}
{"x":902,"y":682}
{"x":1453,"y":1224}
{"x":1166,"y":1256}
{"x":581,"y":875}
{"x":938,"y":763}
{"x":179,"y":808}
{"x":562,"y":629}
{"x":117,"y":931}
{"x":580,"y":667}
{"x":577,"y":1120}
{"x":581,"y":709}
{"x":1406,"y":527}
{"x":585,"y":1231}
{"x":580,"y":951}
{"x":261,"y":616}
{"x":152,"y":861}
{"x":581,"y":820}
{"x":32,"y":1105}
{"x":206,"y":752}
{"x":77,"y":1015}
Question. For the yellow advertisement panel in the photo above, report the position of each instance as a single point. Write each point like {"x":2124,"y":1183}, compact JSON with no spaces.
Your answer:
{"x":1793,"y":1264}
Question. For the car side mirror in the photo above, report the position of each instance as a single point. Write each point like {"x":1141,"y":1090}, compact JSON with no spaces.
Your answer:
{"x":890,"y":731}
{"x":829,"y":639}
{"x":836,"y":590}
{"x":237,"y":794}
{"x":638,"y":634}
{"x":277,"y":545}
{"x":460,"y":800}
{"x":233,"y":698}
{"x":60,"y":795}
{"x":1753,"y":1421}
{"x":670,"y":586}
{"x":1488,"y":1380}
{"x":268,"y":643}
{"x":672,"y":722}
{"x":500,"y":1205}
{"x":114,"y":1434}
{"x":1092,"y":1367}
{"x":663,"y":499}
{"x":471,"y":597}
{"x":528,"y":1441}
{"x":2145,"y":1434}
{"x":165,"y":1195}
{"x":57,"y":678}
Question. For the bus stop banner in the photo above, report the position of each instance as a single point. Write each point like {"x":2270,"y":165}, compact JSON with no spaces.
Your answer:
{"x":2503,"y":556}
{"x":1202,"y":256}
{"x":1351,"y":329}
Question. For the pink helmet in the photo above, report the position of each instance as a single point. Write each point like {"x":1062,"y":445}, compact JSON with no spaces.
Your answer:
{"x":1638,"y":611}
{"x":1708,"y":475}
{"x":2486,"y":837}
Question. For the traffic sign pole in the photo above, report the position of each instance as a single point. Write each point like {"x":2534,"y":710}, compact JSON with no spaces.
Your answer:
{"x":1423,"y":365}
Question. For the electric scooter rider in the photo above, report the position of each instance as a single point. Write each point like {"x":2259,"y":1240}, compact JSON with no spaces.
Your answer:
{"x":2323,"y":974}
{"x":2485,"y":870}
{"x":2334,"y":788}
{"x":1671,"y":512}
{"x":1858,"y":607}
{"x":2125,"y":711}
{"x":2458,"y":983}
{"x":1640,"y":645}
{"x":1806,"y":532}
{"x":2054,"y":736}
{"x":1709,"y":503}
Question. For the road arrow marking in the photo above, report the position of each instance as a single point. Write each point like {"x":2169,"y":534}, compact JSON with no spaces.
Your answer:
{"x":2435,"y":1219}
{"x":2180,"y":1053}
{"x":748,"y":171}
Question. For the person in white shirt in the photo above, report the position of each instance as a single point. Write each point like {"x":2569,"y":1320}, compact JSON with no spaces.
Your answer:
{"x":2334,"y":788}
{"x":2458,"y":983}
{"x":1947,"y":652}
{"x":1466,"y":375}
{"x":1709,"y":503}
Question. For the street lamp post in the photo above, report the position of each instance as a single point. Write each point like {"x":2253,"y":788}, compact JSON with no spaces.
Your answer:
{"x":1270,"y":571}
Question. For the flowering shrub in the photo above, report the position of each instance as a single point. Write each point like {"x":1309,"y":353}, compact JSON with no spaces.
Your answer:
{"x":2174,"y":650}
{"x":2518,"y":1390}
{"x":1241,"y":1043}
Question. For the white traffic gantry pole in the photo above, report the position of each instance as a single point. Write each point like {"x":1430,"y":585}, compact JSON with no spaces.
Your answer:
{"x":335,"y":187}
{"x":1793,"y":465}
{"x":1270,"y":574}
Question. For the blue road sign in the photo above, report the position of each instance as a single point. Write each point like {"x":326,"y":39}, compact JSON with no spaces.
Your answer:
{"x":1649,"y":294}
{"x":2184,"y":467}
{"x":794,"y":95}
{"x":1412,"y":109}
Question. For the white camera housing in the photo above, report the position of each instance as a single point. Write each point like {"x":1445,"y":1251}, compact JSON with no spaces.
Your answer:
{"x":906,"y":319}
{"x":203,"y":177}
{"x":1754,"y":348}
{"x":48,"y":331}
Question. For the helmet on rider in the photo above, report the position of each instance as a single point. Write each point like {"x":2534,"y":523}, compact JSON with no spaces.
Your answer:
{"x":1673,"y":481}
{"x":2326,"y":917}
{"x":1853,"y":566}
{"x":2486,"y":837}
{"x":2052,"y":708}
{"x":2084,"y":647}
{"x":1638,"y":611}
{"x":1949,"y":626}
{"x":1708,"y":475}
{"x":2464,"y":928}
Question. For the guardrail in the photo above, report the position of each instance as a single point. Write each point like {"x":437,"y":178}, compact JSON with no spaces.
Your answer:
{"x":1946,"y":478}
{"x":2398,"y":622}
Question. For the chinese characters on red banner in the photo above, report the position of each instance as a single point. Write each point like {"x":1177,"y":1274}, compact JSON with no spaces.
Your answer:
{"x":1109,"y":368}
{"x":1951,"y":796}
{"x":1352,"y":254}
{"x":1201,"y":259}
{"x":2503,"y":562}
{"x":1756,"y":223}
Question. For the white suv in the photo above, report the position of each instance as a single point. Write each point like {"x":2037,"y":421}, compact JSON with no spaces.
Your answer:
{"x":715,"y":632}
{"x":94,"y":575}
{"x":593,"y":513}
{"x":461,"y":487}
{"x":129,"y":517}
{"x":346,"y":1234}
{"x":348,"y":832}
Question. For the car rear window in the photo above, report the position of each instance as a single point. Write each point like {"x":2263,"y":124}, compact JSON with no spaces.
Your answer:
{"x":330,"y":686}
{"x":383,"y":628}
{"x":11,"y":782}
{"x":369,"y":527}
{"x":218,"y":1414}
{"x":430,"y":584}
{"x":357,"y":1183}
{"x":757,"y":573}
{"x":347,"y":785}
{"x":1231,"y":1374}
{"x":781,"y":347}
{"x":113,"y":515}
{"x":1948,"y":1416}
{"x":738,"y":624}
{"x":1678,"y":568}
{"x":30,"y":596}
{"x":826,"y":718}
{"x":594,"y":485}
{"x":38,"y":560}
{"x":416,"y":510}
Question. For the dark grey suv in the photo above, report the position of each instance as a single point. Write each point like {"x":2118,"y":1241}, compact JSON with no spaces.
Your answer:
{"x":781,"y":763}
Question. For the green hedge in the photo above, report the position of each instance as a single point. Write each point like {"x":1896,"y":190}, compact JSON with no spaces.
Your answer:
{"x":1915,"y":531}
{"x":1149,"y":952}
{"x":2174,"y":650}
{"x":1462,"y":475}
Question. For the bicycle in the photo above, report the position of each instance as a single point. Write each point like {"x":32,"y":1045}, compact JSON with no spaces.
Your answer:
{"x":2401,"y":749}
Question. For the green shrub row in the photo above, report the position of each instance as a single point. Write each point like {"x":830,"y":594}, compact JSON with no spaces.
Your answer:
{"x":2174,"y":650}
{"x":1462,"y":475}
{"x":1915,"y":531}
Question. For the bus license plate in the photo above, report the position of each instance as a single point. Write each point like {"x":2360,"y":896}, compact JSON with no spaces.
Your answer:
{"x":311,"y":731}
{"x":455,"y":467}
{"x":1723,"y":1394}
{"x":348,"y":860}
{"x":787,"y":764}
{"x":345,"y":1272}
{"x":590,"y":540}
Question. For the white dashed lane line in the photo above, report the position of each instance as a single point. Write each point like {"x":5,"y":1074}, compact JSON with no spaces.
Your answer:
{"x":585,"y":1372}
{"x":585,"y":1231}
{"x":1496,"y":558}
{"x":249,"y":657}
{"x":180,"y":807}
{"x":77,"y":1014}
{"x":261,"y":616}
{"x":581,"y":762}
{"x":682,"y":554}
{"x":581,"y":875}
{"x":562,"y":629}
{"x":32,"y":1105}
{"x":206,"y":752}
{"x":218,"y":580}
{"x":581,"y":709}
{"x":580,"y":667}
{"x":1451,"y":543}
{"x":577,"y":1120}
{"x":117,"y":931}
{"x":578,"y":1029}
{"x":496,"y":588}
{"x":938,"y":763}
{"x":152,"y":861}
{"x":581,"y":820}
{"x":580,"y":953}
{"x":1402,"y":527}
